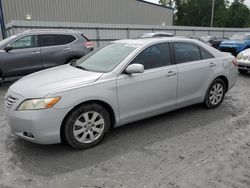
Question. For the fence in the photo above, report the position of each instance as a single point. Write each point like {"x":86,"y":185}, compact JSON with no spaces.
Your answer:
{"x":103,"y":33}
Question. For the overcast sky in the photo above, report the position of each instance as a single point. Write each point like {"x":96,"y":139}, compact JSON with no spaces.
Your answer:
{"x":247,"y":2}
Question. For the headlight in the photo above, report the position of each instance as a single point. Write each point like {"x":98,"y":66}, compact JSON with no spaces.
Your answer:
{"x":240,"y":56}
{"x":38,"y":104}
{"x":245,"y":57}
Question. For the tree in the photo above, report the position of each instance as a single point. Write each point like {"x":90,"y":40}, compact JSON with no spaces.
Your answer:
{"x":238,"y":15}
{"x":198,"y":13}
{"x":166,"y":2}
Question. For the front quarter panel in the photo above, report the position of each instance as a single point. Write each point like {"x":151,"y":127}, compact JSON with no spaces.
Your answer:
{"x":102,"y":90}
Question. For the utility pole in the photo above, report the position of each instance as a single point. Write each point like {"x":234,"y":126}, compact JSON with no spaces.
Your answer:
{"x":2,"y":24}
{"x":212,"y":14}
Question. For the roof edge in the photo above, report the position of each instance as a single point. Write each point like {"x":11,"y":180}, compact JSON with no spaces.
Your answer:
{"x":167,"y":7}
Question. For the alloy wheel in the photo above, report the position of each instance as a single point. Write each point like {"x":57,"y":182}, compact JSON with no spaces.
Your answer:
{"x":88,"y":127}
{"x":216,"y":94}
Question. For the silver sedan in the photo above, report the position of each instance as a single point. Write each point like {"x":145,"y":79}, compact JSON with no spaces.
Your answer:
{"x":123,"y":82}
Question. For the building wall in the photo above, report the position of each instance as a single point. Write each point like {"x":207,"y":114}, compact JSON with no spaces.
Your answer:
{"x":104,"y":33}
{"x":88,"y":11}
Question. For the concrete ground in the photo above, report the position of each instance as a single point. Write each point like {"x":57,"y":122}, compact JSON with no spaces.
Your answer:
{"x":192,"y":147}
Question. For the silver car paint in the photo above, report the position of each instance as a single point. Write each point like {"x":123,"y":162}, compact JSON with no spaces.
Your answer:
{"x":186,"y":84}
{"x":244,"y":64}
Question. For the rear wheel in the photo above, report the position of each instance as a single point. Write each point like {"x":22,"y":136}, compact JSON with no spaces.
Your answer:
{"x":215,"y":94}
{"x":86,"y":126}
{"x":242,"y":71}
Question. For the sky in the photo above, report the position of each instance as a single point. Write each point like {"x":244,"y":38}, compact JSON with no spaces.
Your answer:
{"x":247,"y":2}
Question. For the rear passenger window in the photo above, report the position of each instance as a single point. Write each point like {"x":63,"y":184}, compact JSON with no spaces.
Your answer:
{"x":55,"y":40}
{"x":186,"y":52}
{"x":205,"y":54}
{"x":157,"y":55}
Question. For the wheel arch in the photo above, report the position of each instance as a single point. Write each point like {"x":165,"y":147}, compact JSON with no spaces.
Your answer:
{"x":104,"y":104}
{"x":225,"y":79}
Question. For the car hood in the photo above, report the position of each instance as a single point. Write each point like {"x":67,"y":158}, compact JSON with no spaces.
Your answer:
{"x":53,"y":80}
{"x":247,"y":51}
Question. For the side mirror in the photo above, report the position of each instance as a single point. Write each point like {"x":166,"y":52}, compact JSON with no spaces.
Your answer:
{"x":8,"y":48}
{"x":135,"y":68}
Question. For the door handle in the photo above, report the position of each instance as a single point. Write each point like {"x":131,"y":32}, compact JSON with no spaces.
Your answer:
{"x":35,"y":52}
{"x":171,"y":73}
{"x":212,"y":65}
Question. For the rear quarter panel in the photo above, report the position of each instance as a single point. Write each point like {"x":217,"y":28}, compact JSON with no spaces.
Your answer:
{"x":225,"y":68}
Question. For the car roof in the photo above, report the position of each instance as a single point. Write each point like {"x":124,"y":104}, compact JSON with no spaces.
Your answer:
{"x":50,"y":31}
{"x":158,"y":33}
{"x":142,"y":41}
{"x":148,"y":41}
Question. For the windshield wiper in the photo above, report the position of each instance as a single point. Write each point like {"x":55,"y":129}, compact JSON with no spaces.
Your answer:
{"x":80,"y":67}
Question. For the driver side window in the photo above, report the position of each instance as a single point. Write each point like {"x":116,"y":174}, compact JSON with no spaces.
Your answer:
{"x":25,"y":42}
{"x":157,"y":55}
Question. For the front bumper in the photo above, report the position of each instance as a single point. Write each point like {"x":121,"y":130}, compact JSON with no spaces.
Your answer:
{"x":244,"y":65}
{"x":43,"y":125}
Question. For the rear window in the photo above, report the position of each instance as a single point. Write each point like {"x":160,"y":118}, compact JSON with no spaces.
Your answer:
{"x":55,"y":40}
{"x":186,"y":52}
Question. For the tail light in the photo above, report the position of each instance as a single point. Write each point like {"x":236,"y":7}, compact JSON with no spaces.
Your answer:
{"x":235,"y":62}
{"x":89,"y":45}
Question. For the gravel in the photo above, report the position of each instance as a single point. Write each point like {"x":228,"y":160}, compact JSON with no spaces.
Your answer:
{"x":190,"y":147}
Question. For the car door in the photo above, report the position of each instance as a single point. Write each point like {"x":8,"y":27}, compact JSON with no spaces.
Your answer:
{"x":55,"y":49}
{"x":151,"y":92}
{"x":24,"y":58}
{"x":195,"y":67}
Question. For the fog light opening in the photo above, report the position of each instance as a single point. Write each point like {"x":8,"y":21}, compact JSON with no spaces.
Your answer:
{"x":28,"y":135}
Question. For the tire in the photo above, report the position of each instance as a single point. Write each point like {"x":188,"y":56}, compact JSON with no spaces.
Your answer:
{"x":242,"y":71}
{"x":86,"y":126}
{"x":215,"y":94}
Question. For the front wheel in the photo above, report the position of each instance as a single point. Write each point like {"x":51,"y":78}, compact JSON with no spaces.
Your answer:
{"x":86,"y":126}
{"x":215,"y":94}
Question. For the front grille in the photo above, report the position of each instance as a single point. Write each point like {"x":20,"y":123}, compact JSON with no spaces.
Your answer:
{"x":244,"y":67}
{"x":229,"y":49}
{"x":10,"y":101}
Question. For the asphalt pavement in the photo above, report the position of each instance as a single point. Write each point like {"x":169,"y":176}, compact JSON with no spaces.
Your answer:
{"x":188,"y":148}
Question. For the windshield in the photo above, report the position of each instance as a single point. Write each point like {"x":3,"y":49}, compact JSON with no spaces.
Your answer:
{"x":7,"y":40}
{"x":239,"y":36}
{"x":107,"y":58}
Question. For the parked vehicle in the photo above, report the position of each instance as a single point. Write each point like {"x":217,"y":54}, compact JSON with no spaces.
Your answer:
{"x":208,"y":39}
{"x":156,"y":35}
{"x":125,"y":81}
{"x":35,"y":50}
{"x":216,"y":43}
{"x":243,"y":59}
{"x":237,"y":43}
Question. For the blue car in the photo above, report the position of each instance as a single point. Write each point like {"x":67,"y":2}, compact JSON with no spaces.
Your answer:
{"x":237,"y":43}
